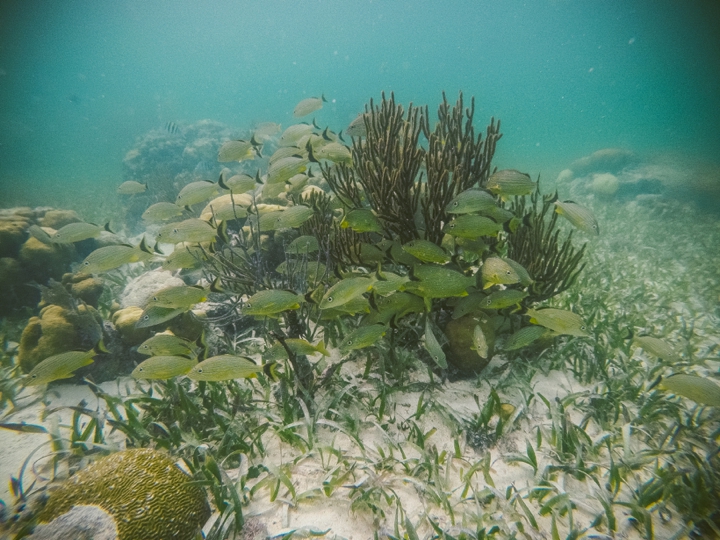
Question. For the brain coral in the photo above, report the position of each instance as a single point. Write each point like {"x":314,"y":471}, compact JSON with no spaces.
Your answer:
{"x":149,"y":497}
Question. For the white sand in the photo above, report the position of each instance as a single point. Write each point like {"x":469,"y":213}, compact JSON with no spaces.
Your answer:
{"x":313,"y":511}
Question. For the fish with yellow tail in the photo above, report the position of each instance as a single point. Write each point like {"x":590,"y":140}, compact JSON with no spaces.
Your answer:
{"x":226,"y":367}
{"x":699,"y":389}
{"x":62,"y":366}
{"x":509,"y":182}
{"x":309,"y":105}
{"x":163,"y":367}
{"x":560,"y":321}
{"x":580,"y":217}
{"x":110,"y":257}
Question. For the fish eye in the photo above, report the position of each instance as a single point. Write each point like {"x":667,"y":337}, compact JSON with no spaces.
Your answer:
{"x":582,"y":327}
{"x":330,"y":298}
{"x":146,"y":317}
{"x":508,"y":272}
{"x":456,"y":203}
{"x":199,"y":370}
{"x":86,"y":263}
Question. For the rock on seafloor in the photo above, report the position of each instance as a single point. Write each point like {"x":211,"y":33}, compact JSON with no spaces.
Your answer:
{"x":138,"y":291}
{"x":82,"y":522}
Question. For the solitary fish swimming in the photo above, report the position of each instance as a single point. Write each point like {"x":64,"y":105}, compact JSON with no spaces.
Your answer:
{"x":581,"y":217}
{"x":131,"y":187}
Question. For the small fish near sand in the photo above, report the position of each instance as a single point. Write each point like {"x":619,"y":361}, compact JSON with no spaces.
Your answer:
{"x":59,"y":366}
{"x":433,"y":346}
{"x":226,"y":367}
{"x":700,"y":389}
{"x":362,"y":337}
{"x":163,"y":367}
{"x":166,"y":344}
{"x":559,"y":321}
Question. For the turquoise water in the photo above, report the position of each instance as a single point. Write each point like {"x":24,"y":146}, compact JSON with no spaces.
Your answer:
{"x":80,"y":80}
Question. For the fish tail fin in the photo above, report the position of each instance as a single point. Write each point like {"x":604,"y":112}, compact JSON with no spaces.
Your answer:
{"x":320,"y":347}
{"x":340,"y":136}
{"x":108,"y":229}
{"x":222,"y":184}
{"x":216,"y":286}
{"x":100,"y":348}
{"x":270,"y":370}
{"x":322,"y":96}
{"x":222,"y":232}
{"x":311,"y":156}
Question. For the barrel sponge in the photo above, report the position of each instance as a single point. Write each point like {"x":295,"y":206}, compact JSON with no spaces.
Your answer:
{"x":146,"y":493}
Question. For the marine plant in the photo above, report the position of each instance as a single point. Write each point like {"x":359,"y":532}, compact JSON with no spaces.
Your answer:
{"x":386,"y":236}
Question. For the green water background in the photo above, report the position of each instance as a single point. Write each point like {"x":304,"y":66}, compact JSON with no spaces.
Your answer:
{"x":81,"y":80}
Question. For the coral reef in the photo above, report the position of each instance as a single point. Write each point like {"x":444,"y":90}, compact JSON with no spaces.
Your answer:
{"x":12,"y":235}
{"x":56,"y":330}
{"x":55,"y":219}
{"x":124,"y":321}
{"x":42,"y":261}
{"x":167,"y":161}
{"x":147,"y":495}
{"x":138,"y":291}
{"x":86,"y":288}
